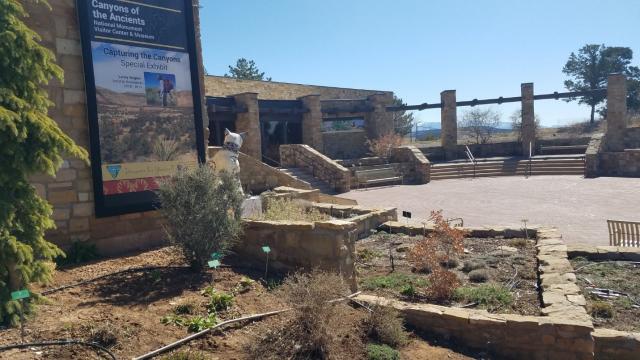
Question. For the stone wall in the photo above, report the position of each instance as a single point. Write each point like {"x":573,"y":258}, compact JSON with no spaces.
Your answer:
{"x":414,"y":166}
{"x":320,"y":166}
{"x":257,"y":176}
{"x":298,"y":245}
{"x":71,"y":191}
{"x":624,"y":163}
{"x":272,"y":90}
{"x":592,"y":158}
{"x":345,"y":144}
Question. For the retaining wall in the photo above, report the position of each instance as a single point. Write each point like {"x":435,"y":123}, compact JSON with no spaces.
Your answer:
{"x":322,"y":167}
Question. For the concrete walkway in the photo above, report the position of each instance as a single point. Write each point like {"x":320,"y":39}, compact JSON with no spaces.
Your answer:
{"x":578,"y":207}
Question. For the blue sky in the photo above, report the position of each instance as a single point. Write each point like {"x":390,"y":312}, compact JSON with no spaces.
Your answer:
{"x":483,"y":49}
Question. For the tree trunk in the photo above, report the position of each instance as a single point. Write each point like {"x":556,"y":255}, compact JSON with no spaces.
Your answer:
{"x":593,"y":111}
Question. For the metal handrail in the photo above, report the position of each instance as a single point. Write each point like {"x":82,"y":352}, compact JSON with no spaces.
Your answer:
{"x":527,"y":173}
{"x":472,"y":159}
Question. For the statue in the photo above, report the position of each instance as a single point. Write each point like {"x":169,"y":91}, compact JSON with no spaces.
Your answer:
{"x":227,"y":158}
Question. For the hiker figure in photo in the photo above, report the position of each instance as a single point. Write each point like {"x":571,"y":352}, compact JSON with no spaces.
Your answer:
{"x":166,"y":86}
{"x":227,"y":158}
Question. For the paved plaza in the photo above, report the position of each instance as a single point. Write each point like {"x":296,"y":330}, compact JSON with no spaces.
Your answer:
{"x":578,"y":207}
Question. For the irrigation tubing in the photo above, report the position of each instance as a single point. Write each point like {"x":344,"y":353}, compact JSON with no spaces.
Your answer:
{"x":224,"y":323}
{"x":58,"y":342}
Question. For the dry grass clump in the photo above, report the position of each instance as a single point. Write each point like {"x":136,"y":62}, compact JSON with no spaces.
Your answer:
{"x":601,"y":309}
{"x":310,"y":332}
{"x":386,"y":326}
{"x":479,"y":276}
{"x":470,"y":265}
{"x":292,"y":210}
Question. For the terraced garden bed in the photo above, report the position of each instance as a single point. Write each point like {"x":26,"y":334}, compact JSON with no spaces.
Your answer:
{"x":495,"y":273}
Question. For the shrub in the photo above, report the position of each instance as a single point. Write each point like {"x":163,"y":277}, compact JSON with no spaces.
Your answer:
{"x":366,"y":255}
{"x":105,"y":334}
{"x":601,"y":309}
{"x":471,"y":265}
{"x":382,"y":352}
{"x":383,"y":145}
{"x":450,"y":263}
{"x":408,"y":290}
{"x":279,"y":208}
{"x":30,"y":143}
{"x":479,"y":275}
{"x":193,"y":324}
{"x":313,"y":322}
{"x":487,"y":296}
{"x":79,"y":252}
{"x":519,"y":243}
{"x":393,"y":281}
{"x":218,"y":300}
{"x":440,"y":246}
{"x":202,"y":212}
{"x":184,"y":309}
{"x":386,"y":326}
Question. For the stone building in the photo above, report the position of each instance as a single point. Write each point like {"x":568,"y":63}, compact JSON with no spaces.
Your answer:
{"x":335,"y":121}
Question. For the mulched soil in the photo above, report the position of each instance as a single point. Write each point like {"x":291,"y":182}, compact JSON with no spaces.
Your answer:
{"x":373,"y":261}
{"x":129,"y":306}
{"x":619,"y":276}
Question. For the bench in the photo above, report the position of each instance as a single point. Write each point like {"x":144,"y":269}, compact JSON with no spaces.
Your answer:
{"x":624,"y":233}
{"x":376,"y":176}
{"x":563,"y":149}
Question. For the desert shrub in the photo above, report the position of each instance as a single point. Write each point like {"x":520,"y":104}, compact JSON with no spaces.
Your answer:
{"x":478,"y":275}
{"x":185,"y":355}
{"x":450,"y":263}
{"x":383,"y":145}
{"x":202,"y":212}
{"x":293,"y":210}
{"x":442,"y":245}
{"x":79,"y":252}
{"x":385,"y":325}
{"x":408,"y":290}
{"x":313,"y":322}
{"x":471,"y":265}
{"x":382,"y":352}
{"x":519,"y":243}
{"x":184,"y":309}
{"x":601,"y":309}
{"x":366,"y":255}
{"x":393,"y":281}
{"x":487,"y":296}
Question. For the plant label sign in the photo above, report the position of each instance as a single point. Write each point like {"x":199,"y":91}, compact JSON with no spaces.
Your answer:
{"x":266,"y":249}
{"x":20,"y":294}
{"x":214,"y":263}
{"x":216,"y":256}
{"x":406,"y":214}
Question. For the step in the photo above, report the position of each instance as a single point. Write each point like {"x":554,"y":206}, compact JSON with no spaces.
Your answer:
{"x":507,"y":163}
{"x":501,"y":173}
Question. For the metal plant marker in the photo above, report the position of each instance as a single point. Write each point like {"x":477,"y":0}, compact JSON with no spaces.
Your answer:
{"x":20,"y":295}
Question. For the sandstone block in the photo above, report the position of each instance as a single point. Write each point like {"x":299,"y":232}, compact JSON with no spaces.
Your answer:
{"x":83,"y":209}
{"x":79,"y":225}
{"x":62,"y":197}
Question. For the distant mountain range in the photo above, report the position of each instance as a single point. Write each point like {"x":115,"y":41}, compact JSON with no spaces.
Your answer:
{"x":435,"y":125}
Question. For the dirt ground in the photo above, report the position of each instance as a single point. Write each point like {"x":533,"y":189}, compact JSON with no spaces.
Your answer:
{"x":515,"y":264}
{"x":614,"y":312}
{"x":128,"y":308}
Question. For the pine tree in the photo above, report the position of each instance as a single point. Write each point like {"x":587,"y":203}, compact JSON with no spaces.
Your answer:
{"x":246,"y":70}
{"x":31,"y":142}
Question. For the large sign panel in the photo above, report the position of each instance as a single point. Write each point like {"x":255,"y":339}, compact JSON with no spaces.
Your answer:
{"x":142,"y":97}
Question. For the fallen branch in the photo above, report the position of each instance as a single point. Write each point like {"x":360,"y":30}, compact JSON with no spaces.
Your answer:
{"x":224,"y":323}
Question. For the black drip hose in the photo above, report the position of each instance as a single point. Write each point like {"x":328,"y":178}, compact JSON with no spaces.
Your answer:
{"x":58,"y":342}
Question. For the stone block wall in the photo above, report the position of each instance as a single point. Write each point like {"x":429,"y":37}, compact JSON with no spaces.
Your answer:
{"x":625,"y":163}
{"x":328,"y":245}
{"x":71,"y":191}
{"x":257,"y":176}
{"x":350,"y":144}
{"x":322,"y":167}
{"x":592,"y":158}
{"x":414,"y":166}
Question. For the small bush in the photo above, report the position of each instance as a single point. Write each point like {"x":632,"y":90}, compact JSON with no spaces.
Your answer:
{"x":293,"y":210}
{"x":366,"y":255}
{"x":393,"y":281}
{"x":383,"y":145}
{"x":202,"y":212}
{"x":442,"y":284}
{"x":471,"y":265}
{"x":386,"y":326}
{"x":479,"y":276}
{"x":408,"y":290}
{"x":193,"y":324}
{"x":245,"y":284}
{"x":519,"y":243}
{"x":184,"y":309}
{"x":601,"y":309}
{"x":105,"y":334}
{"x":80,"y":252}
{"x":313,"y":323}
{"x":218,"y":300}
{"x":450,"y":263}
{"x":185,"y":355}
{"x":382,"y":352}
{"x":487,"y":296}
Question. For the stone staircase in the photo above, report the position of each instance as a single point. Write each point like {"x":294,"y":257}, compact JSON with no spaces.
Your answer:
{"x":303,"y":174}
{"x":490,"y":167}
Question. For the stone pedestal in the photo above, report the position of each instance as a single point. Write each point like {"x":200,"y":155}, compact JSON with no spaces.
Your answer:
{"x":449,"y":124}
{"x":528,"y":120}
{"x":379,"y":122}
{"x":249,"y":122}
{"x":312,"y":122}
{"x":616,"y":112}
